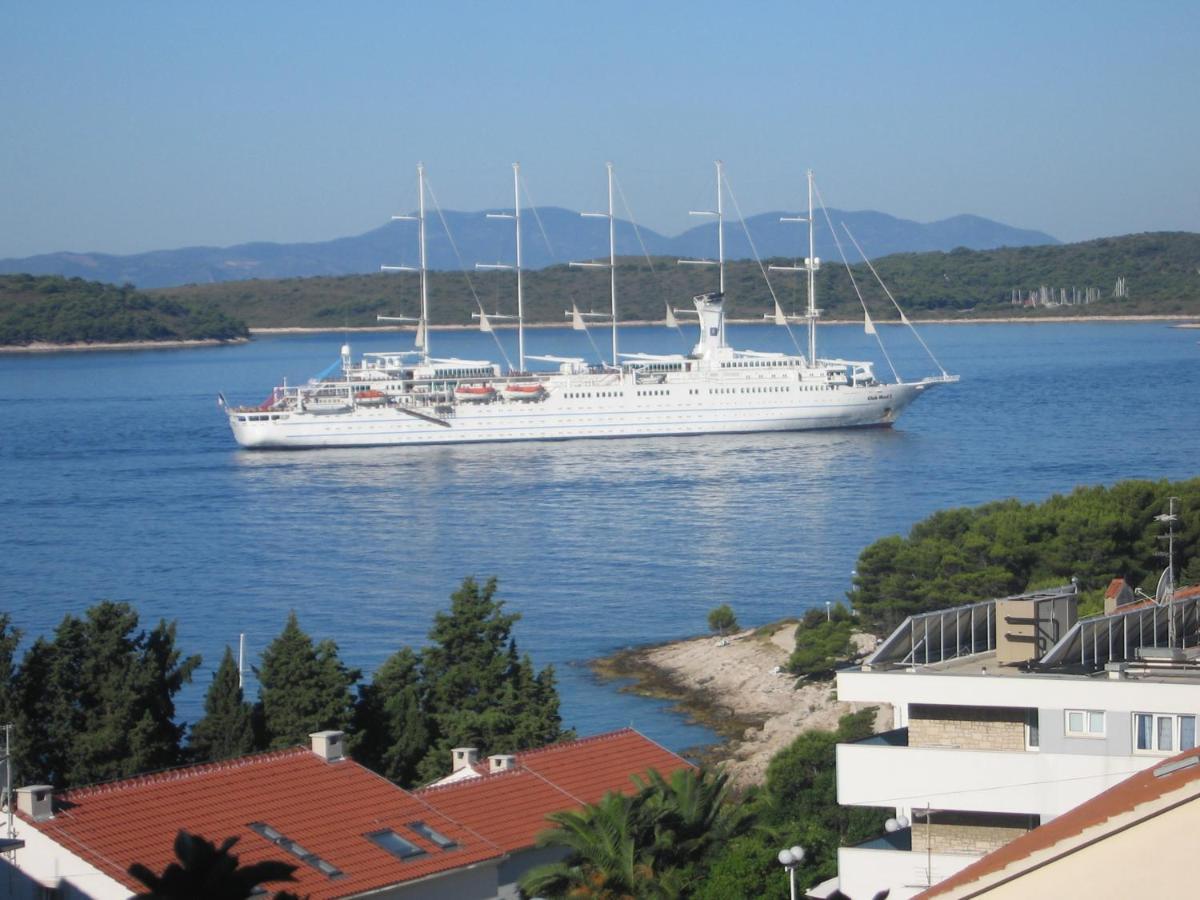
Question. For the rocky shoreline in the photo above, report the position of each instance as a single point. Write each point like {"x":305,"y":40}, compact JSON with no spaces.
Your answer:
{"x":736,"y":686}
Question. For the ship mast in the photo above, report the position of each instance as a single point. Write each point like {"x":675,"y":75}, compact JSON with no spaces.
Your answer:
{"x":811,"y":265}
{"x":719,"y":214}
{"x":520,"y":317}
{"x":520,"y":295}
{"x":422,"y":341}
{"x":611,"y":265}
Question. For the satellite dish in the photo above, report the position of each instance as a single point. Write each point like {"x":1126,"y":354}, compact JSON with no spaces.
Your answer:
{"x":1166,"y":587}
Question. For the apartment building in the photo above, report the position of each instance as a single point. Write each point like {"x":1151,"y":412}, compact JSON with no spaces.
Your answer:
{"x":1007,"y":714}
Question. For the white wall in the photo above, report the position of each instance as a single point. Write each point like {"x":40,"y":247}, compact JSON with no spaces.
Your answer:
{"x":1037,"y":783}
{"x":864,"y":872}
{"x":52,"y":866}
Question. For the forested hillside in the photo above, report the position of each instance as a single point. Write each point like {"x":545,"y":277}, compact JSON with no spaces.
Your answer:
{"x":960,"y":556}
{"x":1161,"y":272}
{"x":70,"y":310}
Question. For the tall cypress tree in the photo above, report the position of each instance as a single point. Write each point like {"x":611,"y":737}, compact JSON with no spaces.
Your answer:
{"x":303,"y":688}
{"x":227,"y":729}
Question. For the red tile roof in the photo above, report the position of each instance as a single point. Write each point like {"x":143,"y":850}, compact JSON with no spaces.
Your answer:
{"x":510,"y":808}
{"x":327,"y":807}
{"x":1114,"y":588}
{"x":1135,"y":791}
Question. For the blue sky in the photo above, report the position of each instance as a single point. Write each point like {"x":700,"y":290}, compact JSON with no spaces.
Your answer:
{"x":137,"y":126}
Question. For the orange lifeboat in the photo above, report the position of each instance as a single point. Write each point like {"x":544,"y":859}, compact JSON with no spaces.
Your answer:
{"x":371,"y":398}
{"x":524,"y":392}
{"x":475,"y":393}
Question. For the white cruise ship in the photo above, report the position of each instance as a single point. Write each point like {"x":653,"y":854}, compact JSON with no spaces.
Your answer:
{"x":412,"y":397}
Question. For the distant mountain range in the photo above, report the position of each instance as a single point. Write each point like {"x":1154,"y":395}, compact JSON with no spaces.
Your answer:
{"x":479,"y":239}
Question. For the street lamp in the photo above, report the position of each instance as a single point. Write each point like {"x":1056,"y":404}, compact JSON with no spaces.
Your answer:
{"x":790,"y":858}
{"x":828,"y":610}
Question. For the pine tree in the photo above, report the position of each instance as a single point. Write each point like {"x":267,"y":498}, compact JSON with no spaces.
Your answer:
{"x":390,"y":720}
{"x":10,"y":639}
{"x":227,"y":729}
{"x":479,"y":690}
{"x":303,"y":688}
{"x":97,"y":701}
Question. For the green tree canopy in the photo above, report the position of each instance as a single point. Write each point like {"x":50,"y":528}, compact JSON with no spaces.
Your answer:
{"x":68,"y":310}
{"x":722,"y":620}
{"x":478,"y":690}
{"x":961,"y":556}
{"x":10,"y":640}
{"x":797,"y":805}
{"x":390,"y":719}
{"x":303,"y":688}
{"x":653,"y":844}
{"x":822,"y":641}
{"x":227,"y":729}
{"x":97,"y":702}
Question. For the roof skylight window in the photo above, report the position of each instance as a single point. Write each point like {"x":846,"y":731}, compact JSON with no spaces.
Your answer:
{"x":394,"y":844}
{"x":433,"y":836}
{"x":326,"y":868}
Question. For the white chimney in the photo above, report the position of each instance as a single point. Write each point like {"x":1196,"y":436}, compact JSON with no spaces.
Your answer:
{"x":329,"y":745}
{"x":501,"y":762}
{"x":463,"y":757}
{"x":36,"y":801}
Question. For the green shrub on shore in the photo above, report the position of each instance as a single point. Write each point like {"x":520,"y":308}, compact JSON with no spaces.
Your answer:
{"x":822,"y":641}
{"x":722,"y":620}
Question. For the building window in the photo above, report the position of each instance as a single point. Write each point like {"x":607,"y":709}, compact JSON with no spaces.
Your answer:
{"x":1163,"y":733}
{"x":1085,"y":723}
{"x":1032,"y":733}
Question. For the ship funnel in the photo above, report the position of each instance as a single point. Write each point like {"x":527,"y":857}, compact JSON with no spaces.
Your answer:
{"x":710,"y":308}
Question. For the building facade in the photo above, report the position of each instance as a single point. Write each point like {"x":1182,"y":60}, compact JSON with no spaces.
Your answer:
{"x":1007,"y":714}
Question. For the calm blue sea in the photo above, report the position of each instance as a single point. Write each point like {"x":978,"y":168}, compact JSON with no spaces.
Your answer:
{"x":119,"y":479}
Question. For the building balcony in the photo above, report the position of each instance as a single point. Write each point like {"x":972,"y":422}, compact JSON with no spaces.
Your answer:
{"x":891,"y":862}
{"x":884,"y":772}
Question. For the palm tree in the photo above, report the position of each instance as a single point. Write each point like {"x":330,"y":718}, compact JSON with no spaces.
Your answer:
{"x":208,"y":872}
{"x":648,"y":846}
{"x":691,"y":814}
{"x":607,"y":856}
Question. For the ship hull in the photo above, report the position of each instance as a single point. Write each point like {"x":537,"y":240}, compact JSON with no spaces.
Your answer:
{"x":588,"y":416}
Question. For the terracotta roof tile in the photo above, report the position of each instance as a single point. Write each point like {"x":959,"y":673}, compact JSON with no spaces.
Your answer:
{"x":327,"y":807}
{"x":1134,"y":791}
{"x":510,"y":808}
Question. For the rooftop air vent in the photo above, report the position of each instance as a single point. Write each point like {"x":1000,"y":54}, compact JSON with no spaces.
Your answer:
{"x":36,"y":801}
{"x":463,"y":757}
{"x":329,"y":745}
{"x":501,"y":762}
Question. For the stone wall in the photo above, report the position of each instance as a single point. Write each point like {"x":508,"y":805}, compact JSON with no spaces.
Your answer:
{"x":966,"y":727}
{"x":962,"y":832}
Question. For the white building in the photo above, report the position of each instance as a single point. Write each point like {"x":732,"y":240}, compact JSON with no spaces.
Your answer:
{"x":1007,"y":714}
